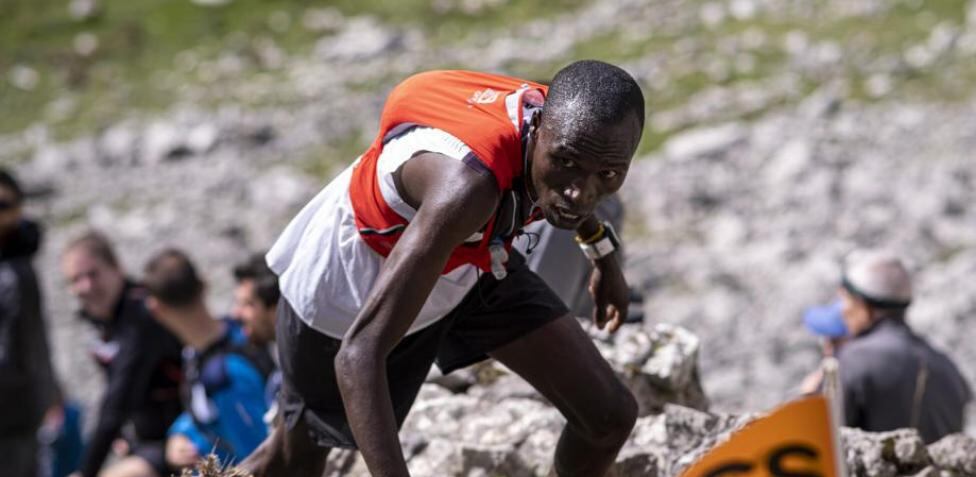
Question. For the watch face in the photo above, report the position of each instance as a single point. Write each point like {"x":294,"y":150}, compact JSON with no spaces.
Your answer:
{"x":599,"y":249}
{"x":605,"y":247}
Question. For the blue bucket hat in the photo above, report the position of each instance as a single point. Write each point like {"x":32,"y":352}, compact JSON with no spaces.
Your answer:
{"x":826,"y":320}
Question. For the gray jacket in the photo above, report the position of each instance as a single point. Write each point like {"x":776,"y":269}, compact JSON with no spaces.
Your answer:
{"x":893,"y":379}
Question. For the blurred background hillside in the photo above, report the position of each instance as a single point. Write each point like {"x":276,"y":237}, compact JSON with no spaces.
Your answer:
{"x":780,"y":135}
{"x":80,"y":66}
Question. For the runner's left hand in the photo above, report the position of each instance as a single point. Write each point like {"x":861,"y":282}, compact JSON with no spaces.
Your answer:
{"x":608,"y":287}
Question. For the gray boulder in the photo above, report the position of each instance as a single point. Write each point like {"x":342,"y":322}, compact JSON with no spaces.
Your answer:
{"x":632,"y":463}
{"x":660,"y":365}
{"x":933,"y":472}
{"x":886,"y":454}
{"x":499,"y":459}
{"x":955,"y":453}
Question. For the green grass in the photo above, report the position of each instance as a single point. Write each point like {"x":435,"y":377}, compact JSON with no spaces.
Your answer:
{"x":139,"y":39}
{"x":888,"y":34}
{"x":323,"y":162}
{"x":133,"y":70}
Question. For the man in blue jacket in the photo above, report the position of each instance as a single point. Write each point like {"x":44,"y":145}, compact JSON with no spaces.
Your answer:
{"x":225,"y":376}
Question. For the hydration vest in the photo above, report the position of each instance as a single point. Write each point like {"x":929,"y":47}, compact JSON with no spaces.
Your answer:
{"x":485,"y":112}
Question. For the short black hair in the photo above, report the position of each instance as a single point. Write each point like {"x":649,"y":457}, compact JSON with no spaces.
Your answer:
{"x":8,"y":181}
{"x":171,"y":278}
{"x":265,"y":281}
{"x":598,"y":93}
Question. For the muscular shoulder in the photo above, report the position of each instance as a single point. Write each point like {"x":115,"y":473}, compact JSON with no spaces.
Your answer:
{"x":434,"y":180}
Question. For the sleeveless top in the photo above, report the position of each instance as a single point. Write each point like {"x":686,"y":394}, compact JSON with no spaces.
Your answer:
{"x":325,"y":263}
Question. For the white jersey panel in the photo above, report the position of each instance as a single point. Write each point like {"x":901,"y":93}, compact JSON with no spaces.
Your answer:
{"x":326,"y":271}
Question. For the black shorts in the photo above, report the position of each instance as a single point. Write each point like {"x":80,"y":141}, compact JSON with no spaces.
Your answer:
{"x":493,"y":314}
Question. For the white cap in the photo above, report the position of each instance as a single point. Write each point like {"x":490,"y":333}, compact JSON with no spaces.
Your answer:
{"x":879,"y":274}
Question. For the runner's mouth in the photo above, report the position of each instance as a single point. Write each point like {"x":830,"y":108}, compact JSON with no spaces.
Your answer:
{"x":566,"y":215}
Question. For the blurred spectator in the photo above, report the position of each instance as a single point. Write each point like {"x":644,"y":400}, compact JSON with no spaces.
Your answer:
{"x":141,"y":361}
{"x":255,"y":306}
{"x":226,"y":376}
{"x":28,"y":388}
{"x":256,"y":300}
{"x":891,"y":378}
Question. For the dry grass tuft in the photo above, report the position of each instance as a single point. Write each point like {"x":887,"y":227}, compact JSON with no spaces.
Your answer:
{"x":211,"y":466}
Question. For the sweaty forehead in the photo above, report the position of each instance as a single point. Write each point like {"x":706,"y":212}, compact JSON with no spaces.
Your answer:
{"x":612,"y":144}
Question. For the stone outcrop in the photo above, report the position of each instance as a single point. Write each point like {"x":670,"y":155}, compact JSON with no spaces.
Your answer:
{"x":462,"y":437}
{"x":735,"y":224}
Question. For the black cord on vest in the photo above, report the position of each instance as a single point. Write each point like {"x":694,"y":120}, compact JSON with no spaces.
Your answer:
{"x":477,"y":285}
{"x":532,"y":244}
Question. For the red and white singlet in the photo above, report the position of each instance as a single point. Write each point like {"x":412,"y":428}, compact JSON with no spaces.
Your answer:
{"x":329,"y":256}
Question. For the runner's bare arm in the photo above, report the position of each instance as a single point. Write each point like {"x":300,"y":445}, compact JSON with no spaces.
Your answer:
{"x":607,"y":285}
{"x":454,"y":202}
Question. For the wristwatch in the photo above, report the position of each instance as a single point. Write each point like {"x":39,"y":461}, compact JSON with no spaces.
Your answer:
{"x":601,"y":244}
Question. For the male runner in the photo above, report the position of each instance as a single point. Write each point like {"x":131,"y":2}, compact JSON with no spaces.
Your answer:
{"x":404,"y":259}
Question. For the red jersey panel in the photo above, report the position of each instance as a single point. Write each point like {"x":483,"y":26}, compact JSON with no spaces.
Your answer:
{"x":482,"y":110}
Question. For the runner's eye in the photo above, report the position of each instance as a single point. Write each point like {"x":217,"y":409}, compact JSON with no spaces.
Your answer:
{"x":609,"y":174}
{"x":567,"y":163}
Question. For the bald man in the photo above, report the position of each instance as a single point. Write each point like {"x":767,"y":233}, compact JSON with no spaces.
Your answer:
{"x":891,"y":377}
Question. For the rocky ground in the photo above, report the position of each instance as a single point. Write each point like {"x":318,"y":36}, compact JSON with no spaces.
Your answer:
{"x":747,"y":223}
{"x":485,"y":421}
{"x":781,"y":134}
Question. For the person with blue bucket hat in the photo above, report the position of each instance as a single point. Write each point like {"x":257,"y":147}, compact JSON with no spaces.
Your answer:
{"x":891,"y":377}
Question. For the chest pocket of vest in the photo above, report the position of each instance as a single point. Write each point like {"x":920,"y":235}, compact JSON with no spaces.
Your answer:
{"x":510,"y":216}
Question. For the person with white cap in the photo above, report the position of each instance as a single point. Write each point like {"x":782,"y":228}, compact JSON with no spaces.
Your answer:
{"x":891,"y":378}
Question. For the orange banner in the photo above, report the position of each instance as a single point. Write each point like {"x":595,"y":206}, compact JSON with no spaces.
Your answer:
{"x":794,"y":441}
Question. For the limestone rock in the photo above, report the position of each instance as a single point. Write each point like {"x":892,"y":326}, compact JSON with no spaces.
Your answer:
{"x":440,"y":457}
{"x":933,"y":472}
{"x":487,"y":461}
{"x":362,"y":38}
{"x":659,"y":365}
{"x":887,"y":454}
{"x":634,"y":463}
{"x":955,"y":453}
{"x":162,"y":140}
{"x":705,"y":141}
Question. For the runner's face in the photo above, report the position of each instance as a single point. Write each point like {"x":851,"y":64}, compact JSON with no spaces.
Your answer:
{"x":573,"y":171}
{"x":93,"y":282}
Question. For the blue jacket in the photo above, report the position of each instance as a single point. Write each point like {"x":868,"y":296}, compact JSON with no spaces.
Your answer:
{"x":226,"y":398}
